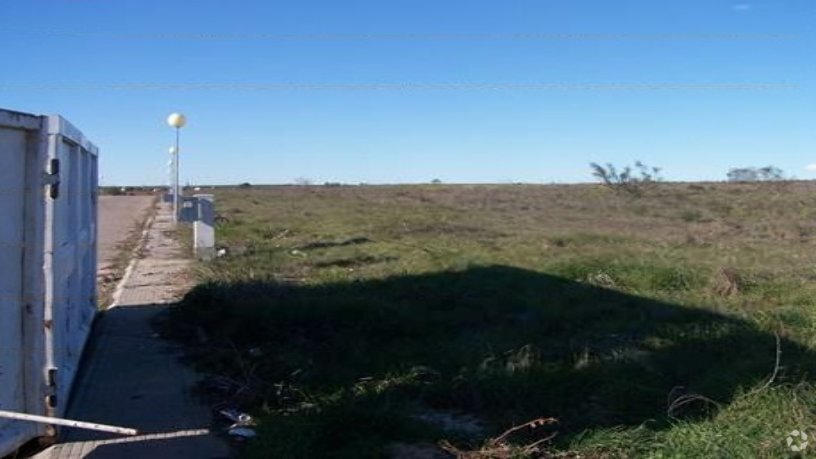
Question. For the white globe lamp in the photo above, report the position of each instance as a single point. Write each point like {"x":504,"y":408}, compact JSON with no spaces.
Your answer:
{"x":176,"y":121}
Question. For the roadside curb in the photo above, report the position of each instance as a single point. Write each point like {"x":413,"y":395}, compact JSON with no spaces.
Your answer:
{"x":134,"y":260}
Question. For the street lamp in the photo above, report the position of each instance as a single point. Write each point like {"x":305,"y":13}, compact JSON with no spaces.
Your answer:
{"x":177,"y":121}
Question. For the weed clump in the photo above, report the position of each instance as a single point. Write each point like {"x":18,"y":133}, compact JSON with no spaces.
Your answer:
{"x":727,"y":282}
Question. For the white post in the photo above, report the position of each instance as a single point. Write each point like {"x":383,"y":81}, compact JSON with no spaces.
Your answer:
{"x":204,"y":227}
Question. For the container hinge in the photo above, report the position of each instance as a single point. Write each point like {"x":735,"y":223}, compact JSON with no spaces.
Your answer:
{"x":52,"y":377}
{"x":52,"y":178}
{"x":51,"y":396}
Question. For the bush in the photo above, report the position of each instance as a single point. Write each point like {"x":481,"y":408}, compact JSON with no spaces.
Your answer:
{"x":630,"y":180}
{"x":112,"y":191}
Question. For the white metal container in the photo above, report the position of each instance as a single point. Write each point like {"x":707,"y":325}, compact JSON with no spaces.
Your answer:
{"x":48,"y":220}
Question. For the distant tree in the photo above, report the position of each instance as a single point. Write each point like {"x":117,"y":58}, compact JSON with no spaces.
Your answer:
{"x":743,"y":174}
{"x":753,"y":174}
{"x":436,"y":181}
{"x":771,"y":174}
{"x":245,"y":185}
{"x":632,"y":180}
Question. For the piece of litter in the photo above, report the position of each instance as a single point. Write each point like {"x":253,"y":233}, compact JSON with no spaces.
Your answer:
{"x":240,"y":419}
{"x":67,"y":422}
{"x":243,"y":433}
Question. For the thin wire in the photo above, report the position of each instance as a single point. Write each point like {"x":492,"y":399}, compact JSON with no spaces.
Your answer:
{"x":408,"y":86}
{"x":363,"y":37}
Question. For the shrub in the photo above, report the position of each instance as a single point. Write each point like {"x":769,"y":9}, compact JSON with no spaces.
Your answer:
{"x":632,"y":180}
{"x":112,"y":191}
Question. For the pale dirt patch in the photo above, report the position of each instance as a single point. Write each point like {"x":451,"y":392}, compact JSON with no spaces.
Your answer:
{"x":121,"y":221}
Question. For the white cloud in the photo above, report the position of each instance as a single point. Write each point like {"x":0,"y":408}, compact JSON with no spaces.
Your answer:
{"x":810,"y":168}
{"x":741,"y":7}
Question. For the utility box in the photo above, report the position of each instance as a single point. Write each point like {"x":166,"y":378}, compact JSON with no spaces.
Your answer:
{"x":188,"y":209}
{"x":48,"y":235}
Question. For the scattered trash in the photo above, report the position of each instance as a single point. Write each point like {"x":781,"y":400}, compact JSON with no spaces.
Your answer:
{"x":238,"y":417}
{"x":242,"y":429}
{"x":241,"y":433}
{"x":297,"y":253}
{"x":602,"y":279}
{"x":221,"y":253}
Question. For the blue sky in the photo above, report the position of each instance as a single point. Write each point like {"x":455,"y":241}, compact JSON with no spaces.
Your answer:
{"x":116,"y":69}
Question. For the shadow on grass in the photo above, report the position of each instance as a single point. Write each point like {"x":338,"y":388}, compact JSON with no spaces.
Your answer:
{"x":349,"y":368}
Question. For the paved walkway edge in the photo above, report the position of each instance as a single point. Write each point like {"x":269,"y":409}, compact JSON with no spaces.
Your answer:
{"x":134,"y":259}
{"x":131,"y":376}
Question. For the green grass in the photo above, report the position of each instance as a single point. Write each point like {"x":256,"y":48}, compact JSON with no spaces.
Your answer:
{"x":356,"y":314}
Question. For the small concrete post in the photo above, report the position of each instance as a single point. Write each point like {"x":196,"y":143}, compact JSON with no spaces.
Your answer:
{"x":204,"y":227}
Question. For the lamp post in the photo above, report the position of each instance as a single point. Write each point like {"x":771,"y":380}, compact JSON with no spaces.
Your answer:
{"x":176,"y":121}
{"x":171,"y":172}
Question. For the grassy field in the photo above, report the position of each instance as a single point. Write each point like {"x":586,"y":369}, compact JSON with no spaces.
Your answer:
{"x":386,"y":321}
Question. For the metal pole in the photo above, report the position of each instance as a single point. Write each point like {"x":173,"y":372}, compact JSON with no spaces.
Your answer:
{"x":176,"y":195}
{"x":68,"y":423}
{"x":170,"y":174}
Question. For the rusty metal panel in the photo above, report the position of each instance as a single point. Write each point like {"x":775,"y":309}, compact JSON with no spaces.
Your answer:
{"x":48,"y":233}
{"x":71,"y":217}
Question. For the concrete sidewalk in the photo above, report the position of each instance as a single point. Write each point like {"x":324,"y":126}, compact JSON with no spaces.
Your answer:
{"x":133,"y":378}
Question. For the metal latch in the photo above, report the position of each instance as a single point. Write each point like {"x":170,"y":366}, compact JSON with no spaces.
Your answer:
{"x":51,"y":397}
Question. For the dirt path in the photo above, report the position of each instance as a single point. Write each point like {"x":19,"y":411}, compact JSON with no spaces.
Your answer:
{"x":134,"y":378}
{"x":118,"y":217}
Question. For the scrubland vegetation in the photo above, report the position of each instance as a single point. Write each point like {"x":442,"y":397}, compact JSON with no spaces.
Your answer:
{"x":416,"y":321}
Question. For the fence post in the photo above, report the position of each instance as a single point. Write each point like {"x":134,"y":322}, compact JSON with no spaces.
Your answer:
{"x":204,"y":227}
